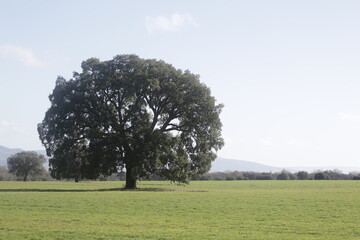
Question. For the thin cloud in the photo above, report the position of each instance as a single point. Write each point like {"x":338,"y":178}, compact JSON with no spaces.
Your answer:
{"x":266,"y":142}
{"x":172,"y":23}
{"x":21,"y":54}
{"x":4,"y":123}
{"x":349,"y":116}
{"x":12,"y":127}
{"x":292,"y":143}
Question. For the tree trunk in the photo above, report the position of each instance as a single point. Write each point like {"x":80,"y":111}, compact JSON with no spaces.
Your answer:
{"x":77,"y":176}
{"x":130,"y":178}
{"x":26,"y":174}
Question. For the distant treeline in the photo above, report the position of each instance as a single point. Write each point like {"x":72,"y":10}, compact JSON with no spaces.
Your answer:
{"x":283,"y":175}
{"x":6,"y":176}
{"x":214,"y":176}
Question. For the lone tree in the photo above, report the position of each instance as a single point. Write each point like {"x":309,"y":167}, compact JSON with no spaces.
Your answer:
{"x":141,"y":115}
{"x":26,"y":163}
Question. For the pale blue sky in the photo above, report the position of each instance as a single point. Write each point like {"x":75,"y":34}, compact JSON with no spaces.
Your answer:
{"x":287,"y":71}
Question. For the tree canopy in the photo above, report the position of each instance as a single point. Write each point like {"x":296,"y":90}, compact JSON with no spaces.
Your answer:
{"x":26,"y":163}
{"x":141,"y":115}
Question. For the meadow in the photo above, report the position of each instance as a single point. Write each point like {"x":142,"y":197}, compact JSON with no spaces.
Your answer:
{"x":161,"y":210}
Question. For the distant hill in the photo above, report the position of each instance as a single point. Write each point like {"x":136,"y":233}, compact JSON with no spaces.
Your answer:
{"x":7,"y":152}
{"x":220,"y":164}
{"x":223,"y":164}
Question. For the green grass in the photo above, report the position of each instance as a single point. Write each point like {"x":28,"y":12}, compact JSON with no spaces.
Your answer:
{"x":202,"y":210}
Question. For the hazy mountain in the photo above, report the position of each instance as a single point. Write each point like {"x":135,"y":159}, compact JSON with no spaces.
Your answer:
{"x":223,"y":164}
{"x":7,"y":152}
{"x":220,"y":164}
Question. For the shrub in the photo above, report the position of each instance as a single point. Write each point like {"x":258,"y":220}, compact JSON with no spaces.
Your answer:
{"x":230,"y":178}
{"x":264,"y":176}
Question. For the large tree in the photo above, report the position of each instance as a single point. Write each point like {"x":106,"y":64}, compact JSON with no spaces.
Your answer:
{"x":26,"y":163}
{"x":141,"y":115}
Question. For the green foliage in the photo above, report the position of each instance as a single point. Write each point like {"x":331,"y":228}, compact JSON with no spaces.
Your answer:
{"x":142,"y":115}
{"x":321,"y":176}
{"x":264,"y":176}
{"x":249,"y":210}
{"x":26,"y":163}
{"x":284,"y":175}
{"x":5,"y":175}
{"x":338,"y":175}
{"x":302,"y":175}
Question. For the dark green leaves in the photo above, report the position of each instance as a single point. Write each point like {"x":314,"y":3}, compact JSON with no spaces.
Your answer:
{"x":131,"y":112}
{"x":25,"y":163}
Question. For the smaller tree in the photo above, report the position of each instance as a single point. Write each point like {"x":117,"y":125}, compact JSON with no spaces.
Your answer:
{"x":284,"y":175}
{"x":356,"y":177}
{"x":26,"y":163}
{"x":321,"y":176}
{"x":302,"y":175}
{"x":238,"y":175}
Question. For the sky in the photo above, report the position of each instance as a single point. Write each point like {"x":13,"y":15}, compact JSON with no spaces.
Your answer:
{"x":287,"y":71}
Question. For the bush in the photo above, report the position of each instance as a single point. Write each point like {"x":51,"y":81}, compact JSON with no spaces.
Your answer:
{"x":240,"y":177}
{"x":102,"y":178}
{"x":204,"y":178}
{"x":5,"y":175}
{"x":249,"y":175}
{"x":230,"y":178}
{"x":264,"y":176}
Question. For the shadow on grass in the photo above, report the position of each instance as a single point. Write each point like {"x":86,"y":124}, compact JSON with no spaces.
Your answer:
{"x":88,"y":190}
{"x":98,"y":190}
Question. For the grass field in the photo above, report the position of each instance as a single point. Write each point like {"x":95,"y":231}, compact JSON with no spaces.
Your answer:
{"x":202,"y":210}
